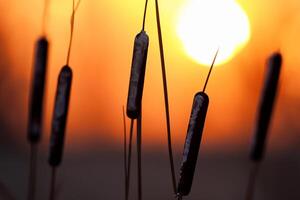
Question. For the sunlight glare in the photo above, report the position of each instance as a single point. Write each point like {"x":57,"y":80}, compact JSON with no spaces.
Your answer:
{"x":206,"y":25}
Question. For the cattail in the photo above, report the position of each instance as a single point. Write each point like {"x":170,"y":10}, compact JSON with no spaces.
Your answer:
{"x":59,"y":121}
{"x":60,"y":116}
{"x":60,"y":113}
{"x":193,"y":139}
{"x":38,"y":83}
{"x":266,"y":107}
{"x":263,"y":119}
{"x":38,"y":90}
{"x":192,"y":143}
{"x":36,"y":102}
{"x":134,"y":101}
{"x":137,"y":76}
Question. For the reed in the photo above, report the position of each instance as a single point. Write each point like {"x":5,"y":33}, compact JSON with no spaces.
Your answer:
{"x":193,"y":139}
{"x":264,"y":115}
{"x":36,"y":103}
{"x":61,"y":108}
{"x":59,"y":123}
{"x":134,"y":112}
{"x":134,"y":101}
{"x":137,"y":76}
{"x":166,"y":98}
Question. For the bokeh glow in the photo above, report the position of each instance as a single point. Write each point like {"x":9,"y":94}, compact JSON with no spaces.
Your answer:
{"x":206,"y":25}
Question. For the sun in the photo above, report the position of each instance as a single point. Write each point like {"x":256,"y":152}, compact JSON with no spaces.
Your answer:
{"x":206,"y":25}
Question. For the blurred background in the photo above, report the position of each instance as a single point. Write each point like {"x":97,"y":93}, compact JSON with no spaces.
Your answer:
{"x":101,"y":60}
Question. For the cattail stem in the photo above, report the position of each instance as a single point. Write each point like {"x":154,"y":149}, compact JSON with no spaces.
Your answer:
{"x":252,"y":181}
{"x":165,"y":86}
{"x":139,"y":154}
{"x":129,"y":159}
{"x":145,"y":13}
{"x":125,"y":149}
{"x":266,"y":107}
{"x":52,"y":184}
{"x":210,"y":69}
{"x":32,"y":172}
{"x":75,"y":7}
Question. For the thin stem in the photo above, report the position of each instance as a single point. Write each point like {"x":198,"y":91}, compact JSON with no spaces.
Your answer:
{"x":252,"y":181}
{"x":72,"y":28}
{"x":52,"y":184}
{"x":139,"y":154}
{"x":125,"y":149}
{"x":45,"y":15}
{"x":129,"y":159}
{"x":145,"y":12}
{"x":210,"y":69}
{"x":32,"y":172}
{"x":165,"y":96}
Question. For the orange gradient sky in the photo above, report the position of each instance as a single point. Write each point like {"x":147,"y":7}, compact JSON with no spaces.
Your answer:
{"x":101,"y":60}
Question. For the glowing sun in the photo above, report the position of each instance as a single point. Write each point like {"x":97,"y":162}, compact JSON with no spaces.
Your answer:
{"x":206,"y":25}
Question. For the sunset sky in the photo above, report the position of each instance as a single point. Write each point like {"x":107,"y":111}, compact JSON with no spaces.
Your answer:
{"x":101,"y":61}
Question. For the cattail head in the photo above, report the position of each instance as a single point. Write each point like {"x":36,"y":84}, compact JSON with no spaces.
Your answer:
{"x":137,"y":75}
{"x":60,"y":116}
{"x":266,"y":106}
{"x":192,"y":143}
{"x":193,"y":138}
{"x":37,"y":90}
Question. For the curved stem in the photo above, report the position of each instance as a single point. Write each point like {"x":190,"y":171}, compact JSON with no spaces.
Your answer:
{"x":144,"y":18}
{"x":164,"y":76}
{"x":72,"y":28}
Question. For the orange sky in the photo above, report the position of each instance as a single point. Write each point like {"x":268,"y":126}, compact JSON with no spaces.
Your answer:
{"x":101,"y":60}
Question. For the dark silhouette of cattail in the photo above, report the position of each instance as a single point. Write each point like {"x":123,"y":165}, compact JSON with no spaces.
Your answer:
{"x":61,"y":108}
{"x":59,"y":121}
{"x":36,"y":102}
{"x":60,"y":116}
{"x":266,"y":107}
{"x":193,"y":139}
{"x":137,"y":76}
{"x":265,"y":111}
{"x":36,"y":110}
{"x":192,"y":143}
{"x":134,"y":102}
{"x":37,"y":91}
